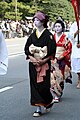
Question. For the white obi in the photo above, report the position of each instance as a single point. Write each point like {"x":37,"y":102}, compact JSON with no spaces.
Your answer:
{"x":38,"y":52}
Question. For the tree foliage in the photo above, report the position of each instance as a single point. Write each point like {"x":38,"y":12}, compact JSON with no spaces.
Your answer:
{"x":53,"y":8}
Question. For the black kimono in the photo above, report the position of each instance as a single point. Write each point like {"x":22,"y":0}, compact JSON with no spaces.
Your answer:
{"x":40,"y":92}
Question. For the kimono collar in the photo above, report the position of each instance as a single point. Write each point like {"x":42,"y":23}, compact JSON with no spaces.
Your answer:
{"x":58,"y":37}
{"x":38,"y":33}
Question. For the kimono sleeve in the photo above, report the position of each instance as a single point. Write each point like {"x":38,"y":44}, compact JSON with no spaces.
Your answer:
{"x":68,"y":50}
{"x":26,"y":48}
{"x":51,"y":47}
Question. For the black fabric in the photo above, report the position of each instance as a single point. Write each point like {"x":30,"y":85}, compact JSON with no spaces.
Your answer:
{"x":40,"y":92}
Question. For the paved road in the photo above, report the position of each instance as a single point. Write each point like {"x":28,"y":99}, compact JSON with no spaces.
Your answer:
{"x":14,"y":90}
{"x":16,"y":45}
{"x":15,"y":95}
{"x":15,"y":99}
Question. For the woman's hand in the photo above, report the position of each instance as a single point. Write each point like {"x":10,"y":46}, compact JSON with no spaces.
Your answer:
{"x":37,"y":61}
{"x":76,"y":33}
{"x":78,"y":45}
{"x":43,"y":61}
{"x":34,"y":60}
{"x":60,"y":57}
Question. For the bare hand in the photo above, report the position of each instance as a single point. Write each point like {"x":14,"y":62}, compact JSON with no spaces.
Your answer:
{"x":76,"y":33}
{"x":60,"y":57}
{"x":41,"y":62}
{"x":78,"y":45}
{"x":34,"y":60}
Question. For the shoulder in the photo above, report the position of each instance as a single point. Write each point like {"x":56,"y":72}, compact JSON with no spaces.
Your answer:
{"x":49,"y":34}
{"x":64,"y":35}
{"x":74,"y":24}
{"x":73,"y":28}
{"x":32,"y":35}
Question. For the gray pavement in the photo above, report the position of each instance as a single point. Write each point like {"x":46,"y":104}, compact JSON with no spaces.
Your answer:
{"x":15,"y":101}
{"x":15,"y":45}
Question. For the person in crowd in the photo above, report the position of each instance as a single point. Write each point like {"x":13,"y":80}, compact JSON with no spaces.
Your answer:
{"x":75,"y":56}
{"x":40,"y":48}
{"x":3,"y":55}
{"x":60,"y":70}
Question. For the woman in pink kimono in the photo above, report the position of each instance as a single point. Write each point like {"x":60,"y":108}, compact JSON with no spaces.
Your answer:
{"x":61,"y":65}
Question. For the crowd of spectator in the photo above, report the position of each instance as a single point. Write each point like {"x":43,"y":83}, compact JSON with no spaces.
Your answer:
{"x":12,"y":29}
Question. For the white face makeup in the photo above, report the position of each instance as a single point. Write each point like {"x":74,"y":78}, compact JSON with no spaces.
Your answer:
{"x":37,"y":22}
{"x":58,"y":28}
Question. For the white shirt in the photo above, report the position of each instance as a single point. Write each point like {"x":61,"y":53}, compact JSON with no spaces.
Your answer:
{"x":75,"y":50}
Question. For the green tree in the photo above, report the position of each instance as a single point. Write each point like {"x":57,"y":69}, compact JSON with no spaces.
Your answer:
{"x":28,"y":7}
{"x":53,"y":8}
{"x":3,"y":9}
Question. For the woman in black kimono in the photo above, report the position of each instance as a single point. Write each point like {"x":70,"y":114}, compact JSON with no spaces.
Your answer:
{"x":40,"y":48}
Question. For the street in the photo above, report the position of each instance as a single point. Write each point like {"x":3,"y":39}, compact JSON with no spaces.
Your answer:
{"x":15,"y":93}
{"x":15,"y":45}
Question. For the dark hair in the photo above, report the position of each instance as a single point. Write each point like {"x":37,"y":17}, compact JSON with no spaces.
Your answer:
{"x":45,"y":21}
{"x":59,"y":18}
{"x":62,"y":24}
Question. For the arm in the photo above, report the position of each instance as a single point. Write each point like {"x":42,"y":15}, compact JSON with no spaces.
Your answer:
{"x":43,"y":61}
{"x":26,"y":48}
{"x":51,"y":48}
{"x":67,"y":52}
{"x":73,"y":31}
{"x":68,"y":49}
{"x":34,"y":60}
{"x":76,"y":33}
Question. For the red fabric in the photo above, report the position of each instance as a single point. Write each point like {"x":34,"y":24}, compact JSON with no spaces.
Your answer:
{"x":68,"y":50}
{"x":41,"y":72}
{"x":61,"y":43}
{"x":76,"y":6}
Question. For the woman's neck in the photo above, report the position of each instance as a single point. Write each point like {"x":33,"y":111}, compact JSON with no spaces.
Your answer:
{"x":40,"y":28}
{"x":59,"y":34}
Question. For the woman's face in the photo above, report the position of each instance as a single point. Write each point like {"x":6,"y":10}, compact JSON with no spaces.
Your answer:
{"x":37,"y":22}
{"x":58,"y":28}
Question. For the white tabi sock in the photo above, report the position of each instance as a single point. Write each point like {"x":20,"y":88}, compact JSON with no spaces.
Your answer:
{"x":38,"y":109}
